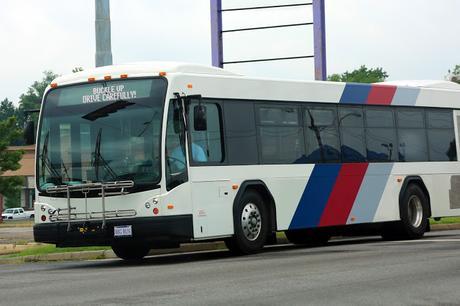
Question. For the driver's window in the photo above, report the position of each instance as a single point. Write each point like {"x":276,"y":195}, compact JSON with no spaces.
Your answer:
{"x":176,"y":164}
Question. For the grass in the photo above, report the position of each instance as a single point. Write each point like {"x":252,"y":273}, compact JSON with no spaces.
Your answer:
{"x":447,"y":220}
{"x":19,"y":223}
{"x":50,"y":249}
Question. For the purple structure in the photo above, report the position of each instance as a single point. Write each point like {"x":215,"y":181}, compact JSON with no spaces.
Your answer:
{"x":318,"y":27}
{"x":216,"y":34}
{"x":319,"y":32}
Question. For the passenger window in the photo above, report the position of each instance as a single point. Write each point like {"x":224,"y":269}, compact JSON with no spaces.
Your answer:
{"x":412,"y":136}
{"x":441,"y":136}
{"x":280,"y":134}
{"x":240,"y":130}
{"x":380,"y":135}
{"x":207,"y":146}
{"x":351,"y":121}
{"x":322,"y":135}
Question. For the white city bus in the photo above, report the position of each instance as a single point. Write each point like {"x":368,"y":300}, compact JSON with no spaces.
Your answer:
{"x":151,"y":155}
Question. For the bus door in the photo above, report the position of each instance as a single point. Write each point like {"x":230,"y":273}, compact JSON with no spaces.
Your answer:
{"x":210,"y":185}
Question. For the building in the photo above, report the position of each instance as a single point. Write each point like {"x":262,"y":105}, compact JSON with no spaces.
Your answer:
{"x":27,"y":171}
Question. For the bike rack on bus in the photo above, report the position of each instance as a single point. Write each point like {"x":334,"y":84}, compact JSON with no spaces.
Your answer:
{"x":106,"y":189}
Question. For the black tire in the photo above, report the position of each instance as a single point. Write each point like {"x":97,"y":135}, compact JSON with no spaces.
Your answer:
{"x":131,"y":252}
{"x":414,"y":214}
{"x":308,"y":237}
{"x":32,"y":216}
{"x":242,"y":243}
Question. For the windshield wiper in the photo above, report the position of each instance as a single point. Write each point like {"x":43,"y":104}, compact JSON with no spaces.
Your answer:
{"x":107,"y":109}
{"x":98,"y":159}
{"x":46,"y":162}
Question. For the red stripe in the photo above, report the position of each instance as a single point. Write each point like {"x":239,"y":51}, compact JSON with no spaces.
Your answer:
{"x":343,"y":194}
{"x":381,"y":94}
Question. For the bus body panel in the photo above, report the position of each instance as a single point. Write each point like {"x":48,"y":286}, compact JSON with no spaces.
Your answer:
{"x":305,"y":195}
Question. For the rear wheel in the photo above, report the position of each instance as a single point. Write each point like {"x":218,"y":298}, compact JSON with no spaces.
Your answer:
{"x":250,"y":224}
{"x":131,"y":252}
{"x":308,"y":237}
{"x":414,"y":216}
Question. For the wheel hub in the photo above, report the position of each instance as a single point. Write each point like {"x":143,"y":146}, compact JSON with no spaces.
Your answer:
{"x":415,"y":211}
{"x":251,"y":221}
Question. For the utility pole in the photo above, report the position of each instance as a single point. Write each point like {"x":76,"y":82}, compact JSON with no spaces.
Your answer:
{"x":103,"y":34}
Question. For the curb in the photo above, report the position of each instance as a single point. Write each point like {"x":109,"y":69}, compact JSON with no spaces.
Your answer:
{"x":185,"y":248}
{"x":445,"y":227}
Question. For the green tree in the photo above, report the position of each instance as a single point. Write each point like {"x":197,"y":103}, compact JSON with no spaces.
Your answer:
{"x":14,"y":198}
{"x":454,"y":75}
{"x":361,"y":75}
{"x":9,"y":160}
{"x":33,"y":97}
{"x":7,"y":109}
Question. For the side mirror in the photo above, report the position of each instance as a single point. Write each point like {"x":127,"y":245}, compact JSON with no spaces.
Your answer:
{"x":29,"y":133}
{"x":199,"y":118}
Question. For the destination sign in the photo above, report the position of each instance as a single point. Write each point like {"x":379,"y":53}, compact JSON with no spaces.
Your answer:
{"x":106,"y":92}
{"x":109,"y":94}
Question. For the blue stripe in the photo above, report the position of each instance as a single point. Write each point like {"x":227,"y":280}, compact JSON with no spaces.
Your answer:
{"x":355,"y":93}
{"x":315,"y":196}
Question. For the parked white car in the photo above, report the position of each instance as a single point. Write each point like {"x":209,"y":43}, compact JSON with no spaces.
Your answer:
{"x":17,"y":214}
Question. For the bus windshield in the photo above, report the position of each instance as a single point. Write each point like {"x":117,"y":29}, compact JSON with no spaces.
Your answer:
{"x":100,"y":132}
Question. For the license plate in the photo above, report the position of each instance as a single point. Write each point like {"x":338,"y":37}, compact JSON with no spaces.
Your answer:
{"x":123,"y":231}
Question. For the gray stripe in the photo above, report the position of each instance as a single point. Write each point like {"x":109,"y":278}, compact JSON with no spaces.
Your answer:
{"x":370,"y":193}
{"x":406,"y":96}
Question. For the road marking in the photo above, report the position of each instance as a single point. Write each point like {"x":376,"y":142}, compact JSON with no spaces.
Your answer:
{"x":429,"y":240}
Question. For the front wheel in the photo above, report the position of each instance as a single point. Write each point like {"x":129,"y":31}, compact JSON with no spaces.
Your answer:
{"x":250,"y":224}
{"x":131,"y":252}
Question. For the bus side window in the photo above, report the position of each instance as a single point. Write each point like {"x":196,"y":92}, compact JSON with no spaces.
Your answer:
{"x":322,"y":135}
{"x":441,"y":135}
{"x":176,"y":163}
{"x":380,"y":135}
{"x":207,"y":146}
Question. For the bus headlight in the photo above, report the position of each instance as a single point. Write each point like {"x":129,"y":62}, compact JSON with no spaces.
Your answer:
{"x":147,"y":205}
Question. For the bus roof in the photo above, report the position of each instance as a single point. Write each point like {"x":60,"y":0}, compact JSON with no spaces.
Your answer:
{"x":141,"y":69}
{"x":151,"y":68}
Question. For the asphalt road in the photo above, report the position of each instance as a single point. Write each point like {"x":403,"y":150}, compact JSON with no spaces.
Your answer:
{"x":359,"y":272}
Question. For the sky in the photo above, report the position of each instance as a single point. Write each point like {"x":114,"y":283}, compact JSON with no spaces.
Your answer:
{"x":410,"y":39}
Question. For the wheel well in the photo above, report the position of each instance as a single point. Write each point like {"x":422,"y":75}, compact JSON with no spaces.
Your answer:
{"x":262,"y":190}
{"x":416,"y":180}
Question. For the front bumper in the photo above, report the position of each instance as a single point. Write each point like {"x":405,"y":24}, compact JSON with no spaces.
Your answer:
{"x":154,"y":231}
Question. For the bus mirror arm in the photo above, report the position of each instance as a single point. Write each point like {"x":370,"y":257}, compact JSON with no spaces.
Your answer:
{"x":179,"y":114}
